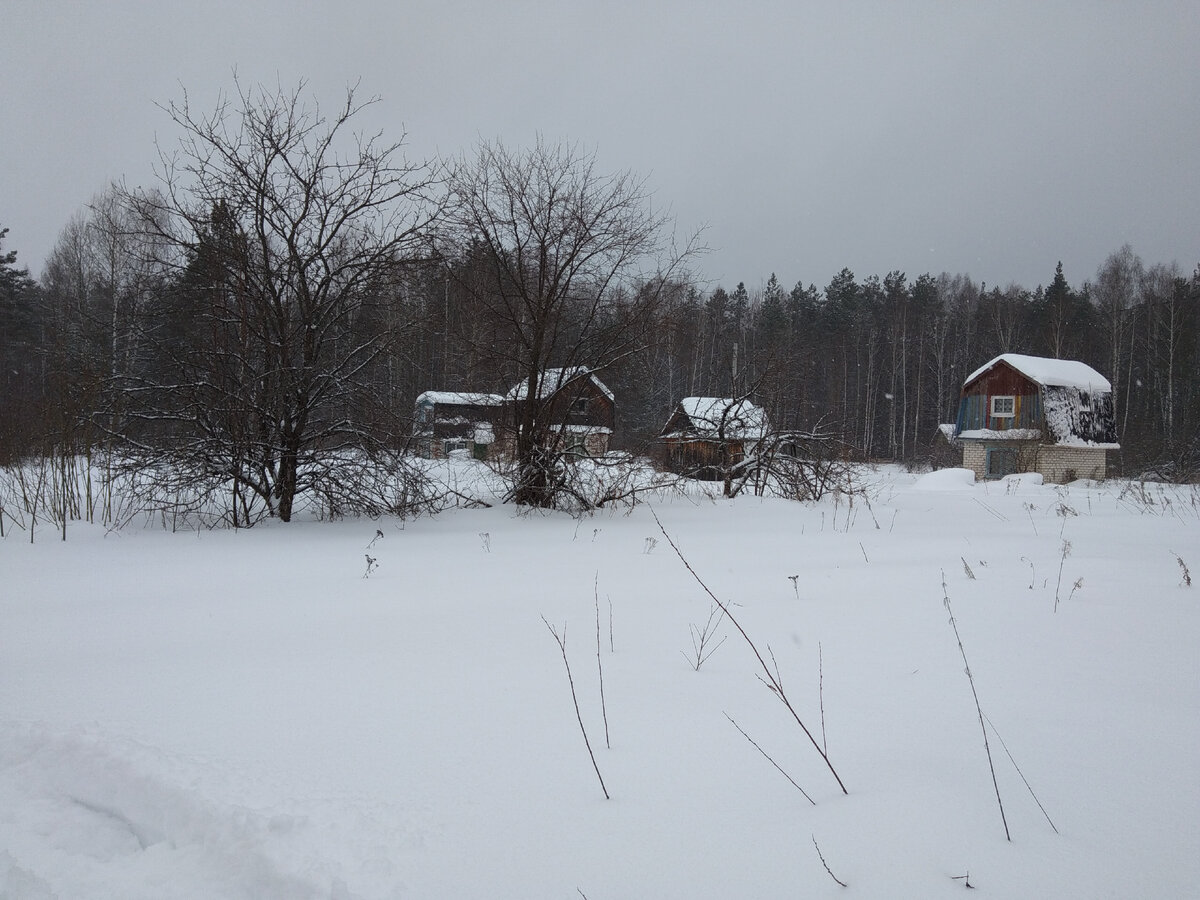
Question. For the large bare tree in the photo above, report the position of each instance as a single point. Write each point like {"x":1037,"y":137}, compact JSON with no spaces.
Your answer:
{"x":287,"y":229}
{"x":569,"y":266}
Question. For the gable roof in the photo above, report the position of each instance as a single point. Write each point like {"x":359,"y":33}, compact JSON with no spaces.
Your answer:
{"x":741,"y":419}
{"x":456,"y":398}
{"x":1048,"y":372}
{"x":554,"y":380}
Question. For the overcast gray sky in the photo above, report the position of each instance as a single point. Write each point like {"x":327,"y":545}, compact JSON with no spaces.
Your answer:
{"x":984,"y":138}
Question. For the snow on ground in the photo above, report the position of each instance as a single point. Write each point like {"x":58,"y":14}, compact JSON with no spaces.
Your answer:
{"x":244,"y":715}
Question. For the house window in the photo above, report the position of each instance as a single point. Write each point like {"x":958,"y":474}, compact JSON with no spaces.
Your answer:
{"x":579,"y":406}
{"x":1004,"y":407}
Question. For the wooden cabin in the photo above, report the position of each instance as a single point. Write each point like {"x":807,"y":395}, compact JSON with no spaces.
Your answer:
{"x":580,"y":408}
{"x":446,"y":421}
{"x":1032,"y":414}
{"x":705,"y":436}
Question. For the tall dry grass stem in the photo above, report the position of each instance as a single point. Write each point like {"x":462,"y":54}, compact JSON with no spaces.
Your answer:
{"x":768,"y":758}
{"x":978,"y":709}
{"x":772,"y":678}
{"x":561,"y":640}
{"x":599,"y":663}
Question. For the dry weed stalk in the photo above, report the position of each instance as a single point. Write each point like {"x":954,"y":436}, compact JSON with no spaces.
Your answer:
{"x":1065,"y":551}
{"x":821,"y":856}
{"x":967,"y":569}
{"x":772,"y":679}
{"x":1022,"y":774}
{"x":1187,"y":576}
{"x":599,"y":664}
{"x":768,"y":758}
{"x":978,"y":709}
{"x":701,"y":637}
{"x":821,"y":694}
{"x":561,"y":640}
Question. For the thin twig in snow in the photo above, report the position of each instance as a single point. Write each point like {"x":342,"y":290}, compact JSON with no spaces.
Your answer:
{"x":979,"y":709}
{"x":562,"y":645}
{"x":821,"y":856}
{"x":767,"y":757}
{"x":599,"y":664}
{"x":772,"y":680}
{"x":1022,"y":774}
{"x":821,"y":694}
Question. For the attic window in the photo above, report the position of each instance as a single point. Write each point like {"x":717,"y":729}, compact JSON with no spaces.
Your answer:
{"x":1004,"y":407}
{"x":580,"y":405}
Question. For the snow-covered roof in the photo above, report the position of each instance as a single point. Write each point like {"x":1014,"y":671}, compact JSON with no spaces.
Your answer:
{"x":460,"y":399}
{"x":1050,"y":372}
{"x":553,"y":380}
{"x":741,"y":418}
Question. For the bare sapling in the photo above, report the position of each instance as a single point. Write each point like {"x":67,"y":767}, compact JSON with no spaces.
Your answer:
{"x":772,"y":679}
{"x":978,"y":708}
{"x":561,"y":640}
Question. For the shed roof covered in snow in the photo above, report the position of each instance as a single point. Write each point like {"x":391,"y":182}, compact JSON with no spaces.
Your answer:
{"x":714,"y":418}
{"x":456,"y":398}
{"x":1049,"y":372}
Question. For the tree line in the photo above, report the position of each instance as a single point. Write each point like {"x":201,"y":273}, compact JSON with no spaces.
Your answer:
{"x":265,"y":317}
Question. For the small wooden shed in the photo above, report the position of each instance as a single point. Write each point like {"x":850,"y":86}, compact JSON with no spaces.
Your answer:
{"x":1034,"y":414}
{"x":705,"y":436}
{"x":446,"y":421}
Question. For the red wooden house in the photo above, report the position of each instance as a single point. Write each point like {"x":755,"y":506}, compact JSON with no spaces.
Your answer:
{"x":1033,"y":414}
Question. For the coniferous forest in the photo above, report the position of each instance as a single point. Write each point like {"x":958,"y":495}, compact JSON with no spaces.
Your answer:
{"x":286,"y":293}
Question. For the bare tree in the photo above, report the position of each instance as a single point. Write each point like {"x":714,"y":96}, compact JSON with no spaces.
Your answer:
{"x":286,"y":231}
{"x":1116,"y":292}
{"x":570,"y":267}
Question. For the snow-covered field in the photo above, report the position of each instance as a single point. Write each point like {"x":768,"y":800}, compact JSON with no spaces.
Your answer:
{"x":243,"y":715}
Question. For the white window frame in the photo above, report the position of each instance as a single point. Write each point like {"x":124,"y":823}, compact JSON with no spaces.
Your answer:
{"x":1002,"y":414}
